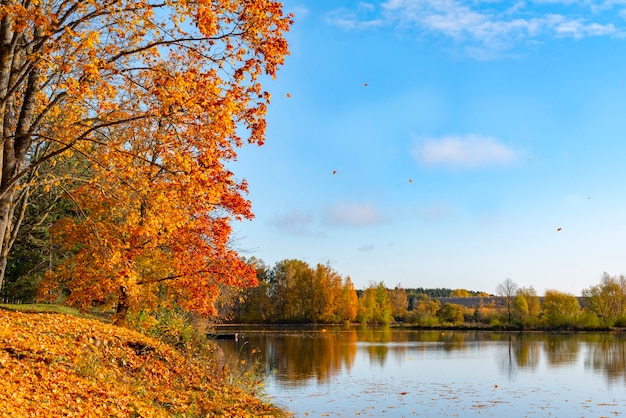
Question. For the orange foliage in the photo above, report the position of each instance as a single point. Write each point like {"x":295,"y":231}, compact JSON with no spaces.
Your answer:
{"x":58,"y":365}
{"x":156,"y":98}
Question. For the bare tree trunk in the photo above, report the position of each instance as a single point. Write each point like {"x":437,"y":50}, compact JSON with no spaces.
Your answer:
{"x":17,"y":124}
{"x":6,"y":215}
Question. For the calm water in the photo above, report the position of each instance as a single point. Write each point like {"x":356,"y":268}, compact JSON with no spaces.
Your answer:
{"x":347,"y":372}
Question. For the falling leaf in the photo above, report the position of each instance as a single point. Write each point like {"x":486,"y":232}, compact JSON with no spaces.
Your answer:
{"x":334,"y":171}
{"x":364,"y":84}
{"x":558,"y":229}
{"x":410,"y":180}
{"x":288,"y":95}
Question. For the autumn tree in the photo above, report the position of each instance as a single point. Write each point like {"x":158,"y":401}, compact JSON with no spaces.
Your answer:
{"x":460,"y":293}
{"x":292,"y":291}
{"x":399,"y":302}
{"x":157,"y":97}
{"x":348,"y":302}
{"x":327,"y":294}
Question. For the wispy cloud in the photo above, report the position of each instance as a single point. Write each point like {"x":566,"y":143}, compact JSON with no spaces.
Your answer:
{"x":463,"y":151}
{"x":353,"y":214}
{"x":295,"y":223}
{"x":364,"y":16}
{"x":489,"y":25}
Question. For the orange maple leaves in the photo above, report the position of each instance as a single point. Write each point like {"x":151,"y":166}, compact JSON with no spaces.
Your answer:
{"x":157,"y":108}
{"x":59,"y":365}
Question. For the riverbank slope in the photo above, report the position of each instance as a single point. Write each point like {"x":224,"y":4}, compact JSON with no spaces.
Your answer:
{"x":60,"y":365}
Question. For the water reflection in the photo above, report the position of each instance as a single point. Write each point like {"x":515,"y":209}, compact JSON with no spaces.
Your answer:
{"x":299,"y":356}
{"x":526,"y":351}
{"x":607,"y":355}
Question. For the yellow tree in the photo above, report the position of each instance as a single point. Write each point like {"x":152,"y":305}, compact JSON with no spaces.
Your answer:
{"x":560,"y":309}
{"x":460,"y":293}
{"x":156,"y":97}
{"x":608,"y":299}
{"x":399,"y":302}
{"x":526,"y":305}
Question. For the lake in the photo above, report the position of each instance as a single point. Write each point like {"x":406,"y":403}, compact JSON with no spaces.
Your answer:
{"x":388,"y":372}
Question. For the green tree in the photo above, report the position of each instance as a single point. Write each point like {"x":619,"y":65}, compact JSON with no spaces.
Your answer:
{"x":294,"y":278}
{"x":520,"y":309}
{"x":44,"y":198}
{"x":526,"y":306}
{"x":424,"y":311}
{"x":451,"y":313}
{"x":374,"y":306}
{"x":608,"y":299}
{"x":254,"y":304}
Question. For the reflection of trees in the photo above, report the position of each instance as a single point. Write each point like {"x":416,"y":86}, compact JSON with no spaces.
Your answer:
{"x":561,"y":349}
{"x":608,"y":356}
{"x":527,"y":351}
{"x":376,"y":341}
{"x":302,"y":355}
{"x":298,"y":356}
{"x":523,"y":352}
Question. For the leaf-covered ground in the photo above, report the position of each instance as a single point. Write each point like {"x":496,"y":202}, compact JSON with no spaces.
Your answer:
{"x":60,"y":365}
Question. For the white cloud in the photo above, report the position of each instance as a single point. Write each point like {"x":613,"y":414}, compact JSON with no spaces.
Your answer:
{"x":488,"y":24}
{"x":463,"y":151}
{"x":353,"y":214}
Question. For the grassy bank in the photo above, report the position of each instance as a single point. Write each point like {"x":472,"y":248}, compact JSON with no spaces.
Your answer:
{"x":58,"y":364}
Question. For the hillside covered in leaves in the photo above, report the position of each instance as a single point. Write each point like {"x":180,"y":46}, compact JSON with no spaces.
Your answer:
{"x":60,"y":365}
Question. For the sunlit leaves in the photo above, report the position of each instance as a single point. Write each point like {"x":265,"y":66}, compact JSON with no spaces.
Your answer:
{"x":58,"y":365}
{"x":156,"y":101}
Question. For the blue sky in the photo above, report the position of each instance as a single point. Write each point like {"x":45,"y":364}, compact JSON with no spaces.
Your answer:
{"x":461,"y":134}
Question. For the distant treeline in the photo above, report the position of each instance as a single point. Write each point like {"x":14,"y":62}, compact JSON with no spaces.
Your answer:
{"x":442,"y":292}
{"x":294,"y":292}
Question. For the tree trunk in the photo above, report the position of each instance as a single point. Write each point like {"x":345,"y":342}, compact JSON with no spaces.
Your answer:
{"x":6,"y":209}
{"x":119,"y":318}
